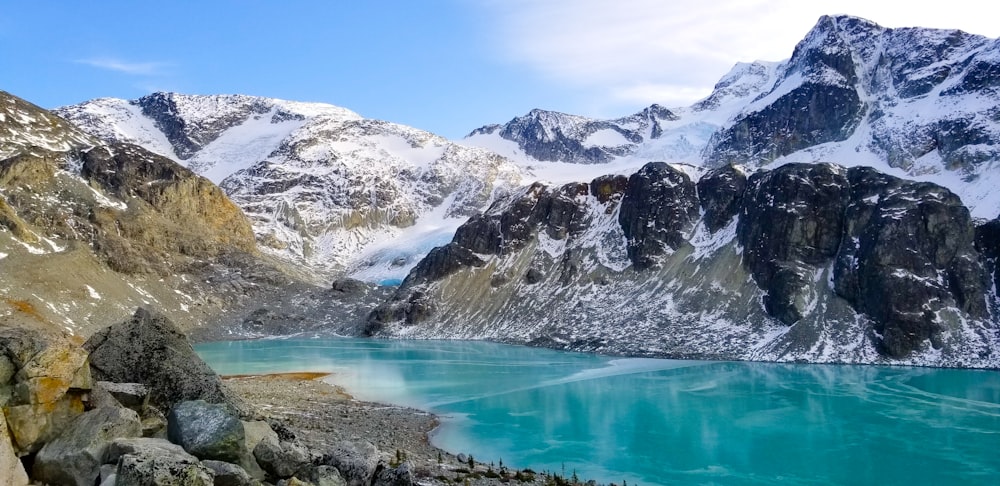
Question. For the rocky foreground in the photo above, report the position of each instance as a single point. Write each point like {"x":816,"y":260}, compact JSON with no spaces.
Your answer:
{"x":134,"y":405}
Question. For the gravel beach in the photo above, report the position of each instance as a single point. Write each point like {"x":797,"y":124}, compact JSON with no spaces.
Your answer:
{"x":321,"y":414}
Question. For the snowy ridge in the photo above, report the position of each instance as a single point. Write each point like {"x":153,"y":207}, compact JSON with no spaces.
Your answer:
{"x":323,"y":186}
{"x":918,"y":103}
{"x":23,"y":127}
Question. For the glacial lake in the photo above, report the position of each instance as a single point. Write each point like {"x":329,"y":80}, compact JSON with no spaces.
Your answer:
{"x":651,"y":421}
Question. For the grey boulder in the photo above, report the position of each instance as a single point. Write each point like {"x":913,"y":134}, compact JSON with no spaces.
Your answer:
{"x":281,"y":459}
{"x":356,"y":461}
{"x":75,"y":457}
{"x":227,"y":474}
{"x":151,"y":350}
{"x":208,"y":431}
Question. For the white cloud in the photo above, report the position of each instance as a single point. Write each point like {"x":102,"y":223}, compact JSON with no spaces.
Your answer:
{"x":673,"y":52}
{"x":126,"y":67}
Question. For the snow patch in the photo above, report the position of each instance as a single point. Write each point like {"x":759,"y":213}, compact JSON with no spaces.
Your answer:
{"x":93,"y":293}
{"x":606,"y":137}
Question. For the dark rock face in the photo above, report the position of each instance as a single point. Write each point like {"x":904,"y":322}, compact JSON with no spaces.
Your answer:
{"x":823,"y":107}
{"x":149,"y":349}
{"x":441,"y":262}
{"x":609,"y":188}
{"x":187,"y":138}
{"x":720,"y":194}
{"x":809,"y":115}
{"x":659,"y":206}
{"x":509,"y":230}
{"x":908,"y":252}
{"x":902,"y":251}
{"x":792,"y":218}
{"x":988,"y":245}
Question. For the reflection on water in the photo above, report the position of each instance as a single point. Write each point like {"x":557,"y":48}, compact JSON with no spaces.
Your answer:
{"x":664,"y":421}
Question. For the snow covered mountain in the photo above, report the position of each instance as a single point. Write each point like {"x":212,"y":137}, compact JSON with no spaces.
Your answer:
{"x":322,"y":185}
{"x":835,"y":207}
{"x":913,"y":102}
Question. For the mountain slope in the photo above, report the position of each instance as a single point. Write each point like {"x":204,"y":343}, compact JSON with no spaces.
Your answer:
{"x":90,"y":229}
{"x":322,"y":185}
{"x":811,"y":262}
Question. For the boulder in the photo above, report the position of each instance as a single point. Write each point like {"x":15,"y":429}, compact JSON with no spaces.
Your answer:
{"x":293,"y":482}
{"x":209,"y":431}
{"x":10,"y":465}
{"x":281,"y":459}
{"x":131,"y":395}
{"x":147,"y":447}
{"x":349,"y":286}
{"x":75,"y":457}
{"x":151,"y":350}
{"x":256,"y":431}
{"x":227,"y":474}
{"x":324,"y":476}
{"x":109,"y":472}
{"x":398,"y":476}
{"x":356,"y":461}
{"x":135,"y":470}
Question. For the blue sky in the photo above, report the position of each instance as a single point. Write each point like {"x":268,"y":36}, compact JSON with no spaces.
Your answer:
{"x":447,"y":66}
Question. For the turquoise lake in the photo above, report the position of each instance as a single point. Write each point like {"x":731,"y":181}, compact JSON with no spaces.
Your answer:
{"x":652,"y":421}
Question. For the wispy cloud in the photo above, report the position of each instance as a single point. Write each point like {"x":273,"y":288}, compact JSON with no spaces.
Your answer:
{"x":672,"y":51}
{"x":126,"y":67}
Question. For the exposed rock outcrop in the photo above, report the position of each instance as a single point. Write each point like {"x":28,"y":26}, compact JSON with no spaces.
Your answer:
{"x":558,"y":137}
{"x":720,"y":195}
{"x":659,"y":207}
{"x":836,"y":256}
{"x":907,"y":254}
{"x":197,"y":217}
{"x":791,"y":224}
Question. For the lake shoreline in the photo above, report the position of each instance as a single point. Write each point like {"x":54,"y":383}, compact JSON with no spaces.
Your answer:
{"x":322,"y":414}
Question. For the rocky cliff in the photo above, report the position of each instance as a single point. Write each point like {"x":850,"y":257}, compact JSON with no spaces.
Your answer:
{"x":90,"y":229}
{"x":812,"y":262}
